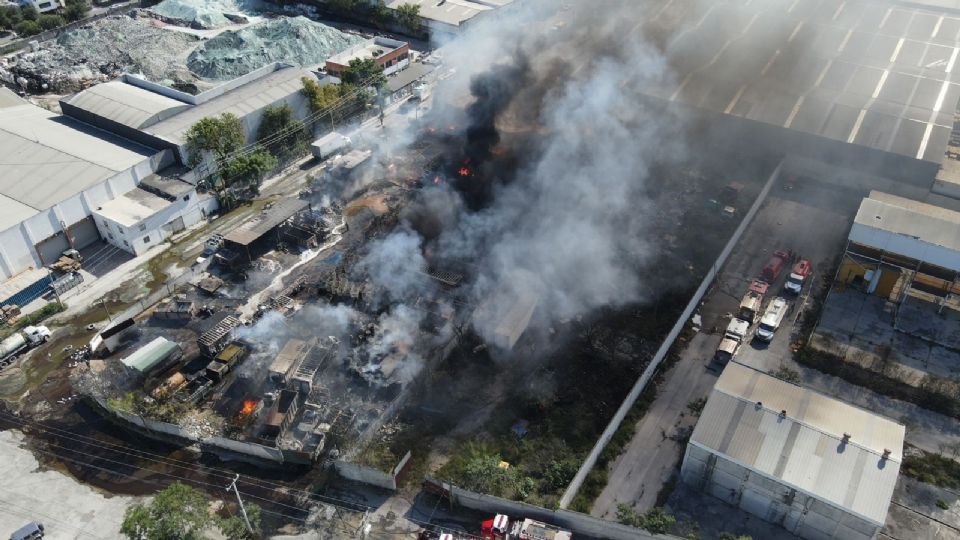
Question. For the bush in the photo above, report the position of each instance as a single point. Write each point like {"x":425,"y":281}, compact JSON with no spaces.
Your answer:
{"x":942,"y":504}
{"x":933,"y":469}
{"x":656,"y":521}
{"x":76,"y":9}
{"x":27,"y":28}
{"x":49,"y":22}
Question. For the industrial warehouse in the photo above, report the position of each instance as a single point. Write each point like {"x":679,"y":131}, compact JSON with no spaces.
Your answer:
{"x":501,"y":269}
{"x":819,"y":467}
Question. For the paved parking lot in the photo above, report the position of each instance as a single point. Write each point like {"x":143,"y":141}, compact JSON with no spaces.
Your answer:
{"x":813,"y":220}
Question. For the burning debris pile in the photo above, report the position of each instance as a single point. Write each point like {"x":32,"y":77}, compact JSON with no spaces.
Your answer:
{"x":296,"y":39}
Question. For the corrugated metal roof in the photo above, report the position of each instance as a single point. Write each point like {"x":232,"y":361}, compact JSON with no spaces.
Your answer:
{"x":241,"y":101}
{"x":408,"y":76}
{"x":126,"y":104}
{"x":147,"y":357}
{"x":265,"y":222}
{"x":48,"y":158}
{"x":804,"y":449}
{"x":932,"y":224}
{"x":453,"y":12}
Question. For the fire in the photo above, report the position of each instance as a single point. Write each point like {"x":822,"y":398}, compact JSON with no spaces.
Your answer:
{"x":436,"y":179}
{"x":248,"y":407}
{"x":391,"y":166}
{"x":452,"y":127}
{"x":465,"y":171}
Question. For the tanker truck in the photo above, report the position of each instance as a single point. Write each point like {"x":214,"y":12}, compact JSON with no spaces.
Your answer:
{"x":25,"y":339}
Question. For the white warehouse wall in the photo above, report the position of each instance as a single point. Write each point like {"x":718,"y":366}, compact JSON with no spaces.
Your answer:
{"x":17,"y":243}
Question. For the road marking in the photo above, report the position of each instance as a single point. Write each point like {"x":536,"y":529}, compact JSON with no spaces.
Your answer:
{"x":770,"y":62}
{"x":793,"y":113}
{"x":839,"y":10}
{"x":886,"y":16}
{"x":856,"y":126}
{"x":953,"y":59}
{"x":936,"y":28}
{"x":676,"y":93}
{"x":823,"y":73}
{"x":883,"y":79}
{"x":896,"y":50}
{"x":923,"y":142}
{"x":662,"y":10}
{"x":736,"y":98}
{"x":795,"y":30}
{"x":846,"y":38}
{"x":943,"y":94}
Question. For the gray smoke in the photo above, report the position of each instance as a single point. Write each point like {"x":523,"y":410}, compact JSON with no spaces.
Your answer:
{"x":571,"y":224}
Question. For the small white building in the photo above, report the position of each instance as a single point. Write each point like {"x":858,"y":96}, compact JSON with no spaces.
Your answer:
{"x":820,"y":468}
{"x":148,"y":215}
{"x":44,"y":6}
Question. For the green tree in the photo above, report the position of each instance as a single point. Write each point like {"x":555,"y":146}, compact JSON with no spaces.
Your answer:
{"x":408,"y":16}
{"x":344,"y":7}
{"x":179,"y":512}
{"x":482,"y":473}
{"x":657,"y":521}
{"x":29,"y":13}
{"x":336,"y":101}
{"x":49,"y":22}
{"x":380,"y":14}
{"x":248,"y":168}
{"x":76,"y":9}
{"x":221,"y":136}
{"x":27,"y":28}
{"x":9,"y":17}
{"x":280,"y":132}
{"x":364,"y":72}
{"x":234,"y":528}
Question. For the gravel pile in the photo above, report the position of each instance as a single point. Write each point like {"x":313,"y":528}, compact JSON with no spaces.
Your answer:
{"x":297,"y":40}
{"x":205,"y":14}
{"x":101,"y":52}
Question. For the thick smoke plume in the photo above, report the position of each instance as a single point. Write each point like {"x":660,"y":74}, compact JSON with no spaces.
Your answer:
{"x":568,"y":222}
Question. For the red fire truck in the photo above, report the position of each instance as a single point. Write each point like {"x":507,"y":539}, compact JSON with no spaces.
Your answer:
{"x":501,"y":527}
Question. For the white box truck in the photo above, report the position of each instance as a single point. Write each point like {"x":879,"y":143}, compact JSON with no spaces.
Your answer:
{"x":329,"y":145}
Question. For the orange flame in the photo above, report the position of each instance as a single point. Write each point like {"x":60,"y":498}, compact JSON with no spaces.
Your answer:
{"x":436,"y":179}
{"x":465,"y":171}
{"x":248,"y":406}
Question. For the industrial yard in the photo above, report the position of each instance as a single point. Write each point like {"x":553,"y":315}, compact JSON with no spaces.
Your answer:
{"x":486,"y":269}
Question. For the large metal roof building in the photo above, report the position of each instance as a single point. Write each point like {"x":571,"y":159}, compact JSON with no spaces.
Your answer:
{"x":817,"y":466}
{"x":55,"y":169}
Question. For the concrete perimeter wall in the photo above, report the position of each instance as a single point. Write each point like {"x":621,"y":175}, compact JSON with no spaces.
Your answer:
{"x":577,"y":523}
{"x":661,"y":353}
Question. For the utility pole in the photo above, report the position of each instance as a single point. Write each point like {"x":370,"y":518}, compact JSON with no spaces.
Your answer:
{"x":233,"y":485}
{"x":104,"y":305}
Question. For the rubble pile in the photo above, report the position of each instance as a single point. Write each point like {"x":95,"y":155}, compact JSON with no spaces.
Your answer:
{"x":297,"y":40}
{"x":102,"y":51}
{"x":203,"y":14}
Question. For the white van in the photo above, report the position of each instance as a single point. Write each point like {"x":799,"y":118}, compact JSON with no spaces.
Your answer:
{"x":772,"y":318}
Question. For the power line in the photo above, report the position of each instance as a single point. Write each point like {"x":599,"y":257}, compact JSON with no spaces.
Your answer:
{"x":350,"y":506}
